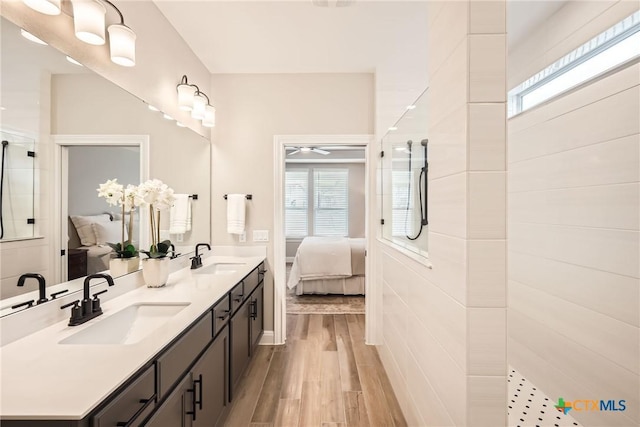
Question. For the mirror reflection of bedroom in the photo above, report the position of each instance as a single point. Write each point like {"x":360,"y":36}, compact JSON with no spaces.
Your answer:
{"x":325,"y":229}
{"x":92,"y":222}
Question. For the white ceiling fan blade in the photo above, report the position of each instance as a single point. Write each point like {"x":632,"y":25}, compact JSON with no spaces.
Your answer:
{"x":320,"y":151}
{"x":296,"y":151}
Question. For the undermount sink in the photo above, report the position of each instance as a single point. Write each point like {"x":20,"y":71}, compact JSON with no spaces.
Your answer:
{"x":128,"y":326}
{"x":220,"y":268}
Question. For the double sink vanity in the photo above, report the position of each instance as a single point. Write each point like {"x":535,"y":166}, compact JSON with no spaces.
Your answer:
{"x":170,"y":356}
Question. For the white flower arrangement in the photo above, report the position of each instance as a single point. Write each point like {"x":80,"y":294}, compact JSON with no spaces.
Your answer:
{"x":115,"y":194}
{"x":158,"y":196}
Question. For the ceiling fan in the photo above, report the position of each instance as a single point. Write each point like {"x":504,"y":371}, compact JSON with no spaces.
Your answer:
{"x":297,"y":150}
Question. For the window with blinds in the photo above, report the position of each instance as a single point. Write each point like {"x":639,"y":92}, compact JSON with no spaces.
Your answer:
{"x":331,"y":202}
{"x":316,"y":202}
{"x":296,"y":197}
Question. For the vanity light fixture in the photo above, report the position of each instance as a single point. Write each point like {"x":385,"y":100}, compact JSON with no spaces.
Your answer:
{"x":411,"y":107}
{"x":122,"y":42}
{"x":181,"y":125}
{"x":152,"y":108}
{"x":209,"y":116}
{"x":191,"y":98}
{"x":168,"y":117}
{"x":185,"y":94}
{"x":27,"y":35}
{"x":89,"y":21}
{"x":48,"y":7}
{"x":392,"y":128}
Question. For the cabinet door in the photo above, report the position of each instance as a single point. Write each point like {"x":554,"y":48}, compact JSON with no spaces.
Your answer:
{"x":211,"y":380}
{"x":257,"y":317}
{"x":239,"y":344}
{"x":175,"y":411}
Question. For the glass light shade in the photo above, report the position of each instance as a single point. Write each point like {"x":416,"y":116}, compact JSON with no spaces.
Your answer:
{"x":209,"y":116}
{"x":122,"y":45}
{"x":27,"y":35}
{"x":199,"y":103}
{"x":89,"y":21}
{"x":185,"y":97}
{"x":48,"y":7}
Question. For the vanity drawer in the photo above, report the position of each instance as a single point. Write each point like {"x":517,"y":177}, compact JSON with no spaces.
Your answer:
{"x":251,"y":281}
{"x":175,"y":361}
{"x":237,"y":296}
{"x":221,"y":314}
{"x":132,"y":405}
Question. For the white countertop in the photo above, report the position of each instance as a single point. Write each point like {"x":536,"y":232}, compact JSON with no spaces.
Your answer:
{"x":42,"y":379}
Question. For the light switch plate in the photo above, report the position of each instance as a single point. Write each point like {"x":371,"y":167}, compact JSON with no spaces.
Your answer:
{"x":261,"y":235}
{"x":242,"y":237}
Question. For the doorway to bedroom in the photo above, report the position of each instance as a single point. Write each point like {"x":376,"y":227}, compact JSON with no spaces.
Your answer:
{"x":87,"y":223}
{"x":322,"y":228}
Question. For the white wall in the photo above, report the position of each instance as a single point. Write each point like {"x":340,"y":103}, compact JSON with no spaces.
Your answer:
{"x":91,"y":166}
{"x":574,"y":172}
{"x":444,"y":329}
{"x":252,"y":108}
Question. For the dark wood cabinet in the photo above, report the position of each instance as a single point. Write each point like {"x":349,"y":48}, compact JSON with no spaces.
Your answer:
{"x":174,"y":412}
{"x":256,"y":309}
{"x":76,"y":263}
{"x":212,"y":376}
{"x":190,"y":382}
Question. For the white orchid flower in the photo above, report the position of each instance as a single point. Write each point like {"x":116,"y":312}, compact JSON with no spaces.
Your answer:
{"x":111,"y":191}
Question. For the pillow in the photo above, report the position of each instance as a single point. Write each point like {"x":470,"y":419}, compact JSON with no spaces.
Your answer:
{"x":83,"y":227}
{"x":108,"y":232}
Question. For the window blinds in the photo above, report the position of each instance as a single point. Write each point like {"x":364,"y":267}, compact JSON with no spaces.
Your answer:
{"x":296,"y":196}
{"x":331,"y":202}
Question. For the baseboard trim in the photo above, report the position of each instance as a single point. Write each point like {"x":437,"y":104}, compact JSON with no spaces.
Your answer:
{"x":267,"y":338}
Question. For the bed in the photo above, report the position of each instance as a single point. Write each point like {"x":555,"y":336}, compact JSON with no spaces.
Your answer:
{"x":92,"y":232}
{"x":329,"y":265}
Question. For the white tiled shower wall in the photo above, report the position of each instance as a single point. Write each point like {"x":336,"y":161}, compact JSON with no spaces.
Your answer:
{"x":573,"y":217}
{"x":444,"y":329}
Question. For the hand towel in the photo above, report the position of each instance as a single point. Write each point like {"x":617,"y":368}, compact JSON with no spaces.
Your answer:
{"x":180,"y":215}
{"x":235,"y":213}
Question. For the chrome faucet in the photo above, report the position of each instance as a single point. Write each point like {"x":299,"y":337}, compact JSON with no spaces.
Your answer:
{"x":196,"y":261}
{"x":41,"y":285}
{"x":88,"y":308}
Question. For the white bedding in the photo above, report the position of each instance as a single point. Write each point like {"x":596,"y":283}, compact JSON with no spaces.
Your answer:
{"x":322,"y":259}
{"x":97,"y":258}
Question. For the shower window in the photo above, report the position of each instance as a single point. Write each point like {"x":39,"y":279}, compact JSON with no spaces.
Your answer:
{"x":17,"y":185}
{"x":404,"y":178}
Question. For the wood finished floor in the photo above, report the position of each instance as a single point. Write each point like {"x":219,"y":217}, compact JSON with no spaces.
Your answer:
{"x":325,"y":376}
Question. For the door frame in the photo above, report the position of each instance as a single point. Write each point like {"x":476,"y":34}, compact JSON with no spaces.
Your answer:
{"x":280,"y":142}
{"x":61,"y":144}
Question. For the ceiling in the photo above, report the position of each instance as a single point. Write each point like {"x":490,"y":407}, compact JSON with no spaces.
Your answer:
{"x":298,"y":37}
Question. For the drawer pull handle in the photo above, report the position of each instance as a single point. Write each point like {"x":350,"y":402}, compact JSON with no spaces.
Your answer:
{"x":225,"y":315}
{"x":146,"y":403}
{"x":192,"y":412}
{"x":199,"y":381}
{"x":253,"y":309}
{"x":238,"y":298}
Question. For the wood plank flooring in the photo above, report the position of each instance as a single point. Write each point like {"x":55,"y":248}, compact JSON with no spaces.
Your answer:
{"x":324,"y":376}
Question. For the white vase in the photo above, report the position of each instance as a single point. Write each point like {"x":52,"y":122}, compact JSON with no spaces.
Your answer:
{"x":155,"y":271}
{"x":121,"y":266}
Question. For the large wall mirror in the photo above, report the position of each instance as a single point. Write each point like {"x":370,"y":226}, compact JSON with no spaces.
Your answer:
{"x":67,"y":130}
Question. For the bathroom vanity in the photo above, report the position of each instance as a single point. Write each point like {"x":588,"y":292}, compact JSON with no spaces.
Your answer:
{"x":158,"y":357}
